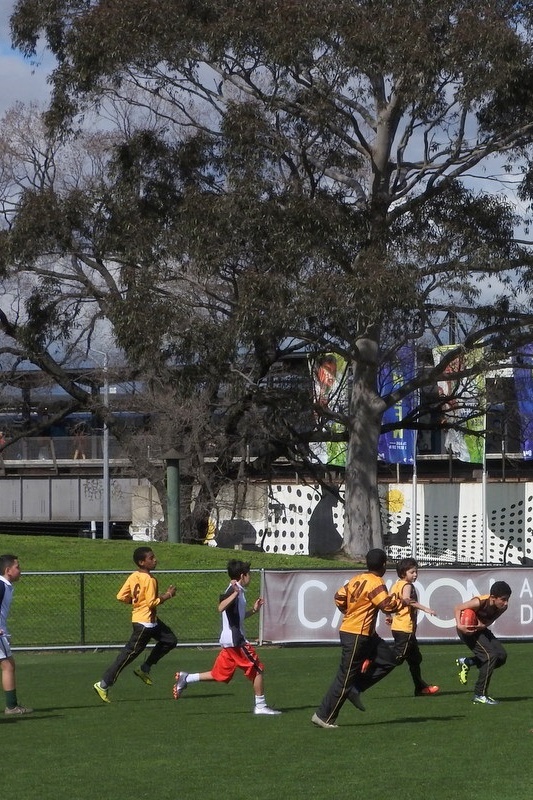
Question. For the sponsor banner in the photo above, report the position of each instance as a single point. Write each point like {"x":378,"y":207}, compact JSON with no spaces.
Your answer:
{"x":299,"y":606}
{"x":330,"y":392}
{"x":464,"y":397}
{"x":523,"y":378}
{"x":398,"y":446}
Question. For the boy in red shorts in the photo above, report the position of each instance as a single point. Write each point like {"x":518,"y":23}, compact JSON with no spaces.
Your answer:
{"x":237,"y":652}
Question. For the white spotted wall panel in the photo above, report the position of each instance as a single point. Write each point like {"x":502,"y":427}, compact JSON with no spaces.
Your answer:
{"x":301,"y":516}
{"x":449,"y":522}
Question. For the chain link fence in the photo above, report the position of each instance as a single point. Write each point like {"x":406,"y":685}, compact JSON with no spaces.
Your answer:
{"x":79,"y":610}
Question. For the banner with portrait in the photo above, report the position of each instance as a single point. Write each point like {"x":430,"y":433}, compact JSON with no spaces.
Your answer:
{"x":330,"y":395}
{"x":463,"y":396}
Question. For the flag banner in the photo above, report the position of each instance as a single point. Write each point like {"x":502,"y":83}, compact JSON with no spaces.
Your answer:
{"x":330,"y":392}
{"x":464,"y":396}
{"x":523,"y":379}
{"x":398,"y":446}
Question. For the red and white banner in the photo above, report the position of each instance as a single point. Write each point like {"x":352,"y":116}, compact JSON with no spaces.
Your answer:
{"x":299,"y":606}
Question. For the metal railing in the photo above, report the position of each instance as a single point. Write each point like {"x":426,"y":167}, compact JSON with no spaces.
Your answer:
{"x":79,"y":610}
{"x":72,"y":448}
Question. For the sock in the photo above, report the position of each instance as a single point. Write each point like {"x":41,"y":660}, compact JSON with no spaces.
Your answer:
{"x":470,"y":662}
{"x":193,"y":677}
{"x":11,"y":698}
{"x":145,"y":668}
{"x":260,"y":701}
{"x":103,"y":685}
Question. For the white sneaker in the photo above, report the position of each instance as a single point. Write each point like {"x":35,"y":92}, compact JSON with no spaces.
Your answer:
{"x":320,"y":722}
{"x":180,"y":685}
{"x":265,"y":710}
{"x":18,"y":710}
{"x":485,"y":700}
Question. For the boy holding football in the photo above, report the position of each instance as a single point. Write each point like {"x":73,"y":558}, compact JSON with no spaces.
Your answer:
{"x":487,"y":652}
{"x":403,"y":624}
{"x":237,"y":652}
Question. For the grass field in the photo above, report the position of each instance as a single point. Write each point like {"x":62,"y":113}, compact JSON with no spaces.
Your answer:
{"x":208,"y":745}
{"x":57,"y":553}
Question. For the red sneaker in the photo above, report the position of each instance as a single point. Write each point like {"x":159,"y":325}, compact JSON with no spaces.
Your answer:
{"x":427,"y":690}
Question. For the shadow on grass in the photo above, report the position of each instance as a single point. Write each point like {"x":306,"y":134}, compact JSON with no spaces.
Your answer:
{"x":36,"y":716}
{"x":517,"y":699}
{"x":402,"y":720}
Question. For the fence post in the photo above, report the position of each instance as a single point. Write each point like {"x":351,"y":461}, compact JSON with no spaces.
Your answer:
{"x":261,"y":594}
{"x":82,"y":608}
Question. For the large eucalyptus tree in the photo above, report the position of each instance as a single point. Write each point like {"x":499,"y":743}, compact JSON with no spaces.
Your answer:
{"x":324,"y":174}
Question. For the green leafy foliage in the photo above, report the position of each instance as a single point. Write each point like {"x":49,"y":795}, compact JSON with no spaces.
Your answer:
{"x":281,"y":175}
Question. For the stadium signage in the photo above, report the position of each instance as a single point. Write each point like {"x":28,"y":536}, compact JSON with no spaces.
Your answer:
{"x":299,"y":605}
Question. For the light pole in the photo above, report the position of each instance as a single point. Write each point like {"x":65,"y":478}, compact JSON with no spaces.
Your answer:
{"x":106,"y":505}
{"x":172,"y":459}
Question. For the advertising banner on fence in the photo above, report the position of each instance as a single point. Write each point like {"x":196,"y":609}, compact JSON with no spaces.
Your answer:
{"x":299,"y":606}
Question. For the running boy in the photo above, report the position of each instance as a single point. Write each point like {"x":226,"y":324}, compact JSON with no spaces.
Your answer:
{"x":141,"y":590}
{"x":9,"y":574}
{"x":488,"y":652}
{"x":403,"y":624}
{"x":360,"y":599}
{"x":237,"y":652}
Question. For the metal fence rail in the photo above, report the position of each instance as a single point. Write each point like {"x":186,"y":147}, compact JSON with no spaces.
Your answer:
{"x":79,"y":610}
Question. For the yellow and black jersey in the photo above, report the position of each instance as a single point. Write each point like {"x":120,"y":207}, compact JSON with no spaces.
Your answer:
{"x":141,"y":590}
{"x":404,"y":619}
{"x":360,"y":599}
{"x":487,"y":613}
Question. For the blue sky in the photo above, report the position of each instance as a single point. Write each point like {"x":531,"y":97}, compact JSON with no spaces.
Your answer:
{"x":19,"y":79}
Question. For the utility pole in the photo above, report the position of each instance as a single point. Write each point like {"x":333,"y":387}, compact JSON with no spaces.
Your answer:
{"x":106,"y":494}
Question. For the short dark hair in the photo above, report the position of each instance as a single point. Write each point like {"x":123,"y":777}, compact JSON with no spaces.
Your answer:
{"x":6,"y":561}
{"x":236,"y":568}
{"x":500,"y":589}
{"x":404,"y":564}
{"x":376,"y":559}
{"x":140,"y":554}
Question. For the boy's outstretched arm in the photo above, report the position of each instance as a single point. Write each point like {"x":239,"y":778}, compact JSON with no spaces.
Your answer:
{"x":170,"y":592}
{"x":256,"y":606}
{"x":406,"y":597}
{"x":230,"y":596}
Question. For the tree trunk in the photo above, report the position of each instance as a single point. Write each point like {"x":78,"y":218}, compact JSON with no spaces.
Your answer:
{"x":362,"y":520}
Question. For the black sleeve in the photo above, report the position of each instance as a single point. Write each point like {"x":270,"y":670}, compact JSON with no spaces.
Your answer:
{"x":226,"y":594}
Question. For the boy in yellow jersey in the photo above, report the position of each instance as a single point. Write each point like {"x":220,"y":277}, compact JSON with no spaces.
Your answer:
{"x":360,"y":599}
{"x":403,"y":624}
{"x":487,"y":652}
{"x":141,"y":590}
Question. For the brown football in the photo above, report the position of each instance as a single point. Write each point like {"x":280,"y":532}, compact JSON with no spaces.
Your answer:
{"x":469,"y":618}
